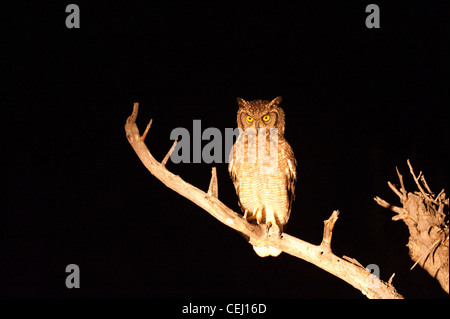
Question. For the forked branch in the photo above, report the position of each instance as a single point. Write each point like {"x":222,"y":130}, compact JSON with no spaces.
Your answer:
{"x":320,"y":255}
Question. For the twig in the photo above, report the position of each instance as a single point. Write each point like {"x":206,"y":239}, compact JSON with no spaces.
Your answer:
{"x":391,"y":278}
{"x":416,"y":179}
{"x":166,"y":158}
{"x":213,"y":189}
{"x":424,"y":182}
{"x":353,"y":261}
{"x":328,"y":231}
{"x":396,"y":191}
{"x":401,"y":212}
{"x":146,"y":130}
{"x":402,"y":185}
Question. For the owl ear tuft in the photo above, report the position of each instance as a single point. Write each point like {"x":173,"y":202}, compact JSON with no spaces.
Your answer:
{"x":241,"y":102}
{"x":276,"y":101}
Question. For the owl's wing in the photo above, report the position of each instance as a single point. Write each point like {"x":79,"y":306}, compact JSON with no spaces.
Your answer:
{"x":232,"y":170}
{"x":291,"y":172}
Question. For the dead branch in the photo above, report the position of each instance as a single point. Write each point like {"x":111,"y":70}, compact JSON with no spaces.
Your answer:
{"x":328,"y":231}
{"x":423,"y":213}
{"x":319,"y":255}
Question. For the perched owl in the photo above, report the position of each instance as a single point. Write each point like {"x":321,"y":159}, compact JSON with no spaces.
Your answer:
{"x":262,"y":166}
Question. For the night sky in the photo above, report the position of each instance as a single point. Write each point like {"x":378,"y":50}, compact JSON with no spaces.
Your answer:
{"x":358,"y":103}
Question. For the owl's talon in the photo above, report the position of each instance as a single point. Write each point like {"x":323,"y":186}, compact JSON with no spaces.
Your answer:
{"x":273,"y":229}
{"x":268,"y":226}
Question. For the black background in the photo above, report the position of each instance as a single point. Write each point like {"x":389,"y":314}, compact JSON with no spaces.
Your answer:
{"x":358,"y":102}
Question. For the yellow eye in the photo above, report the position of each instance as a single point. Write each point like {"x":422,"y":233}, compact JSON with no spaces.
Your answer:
{"x":249,"y":119}
{"x":266,"y":118}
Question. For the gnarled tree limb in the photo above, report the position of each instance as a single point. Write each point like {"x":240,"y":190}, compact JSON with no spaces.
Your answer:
{"x":319,"y":255}
{"x":423,"y":213}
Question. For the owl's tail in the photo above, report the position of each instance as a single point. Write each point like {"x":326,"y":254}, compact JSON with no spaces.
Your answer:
{"x":265,"y":251}
{"x":261,"y":249}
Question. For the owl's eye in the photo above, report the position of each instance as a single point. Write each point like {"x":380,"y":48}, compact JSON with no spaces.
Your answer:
{"x":249,"y":119}
{"x":266,"y":118}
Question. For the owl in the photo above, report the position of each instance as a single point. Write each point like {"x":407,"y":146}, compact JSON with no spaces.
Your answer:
{"x":263,"y":167}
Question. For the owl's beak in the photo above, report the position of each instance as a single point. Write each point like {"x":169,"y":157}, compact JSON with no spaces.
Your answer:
{"x":257,"y":126}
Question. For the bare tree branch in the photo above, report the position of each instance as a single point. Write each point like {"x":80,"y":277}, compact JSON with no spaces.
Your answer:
{"x":319,"y":255}
{"x":423,"y":213}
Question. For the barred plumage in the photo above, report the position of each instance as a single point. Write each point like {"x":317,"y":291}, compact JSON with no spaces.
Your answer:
{"x":263,"y":167}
